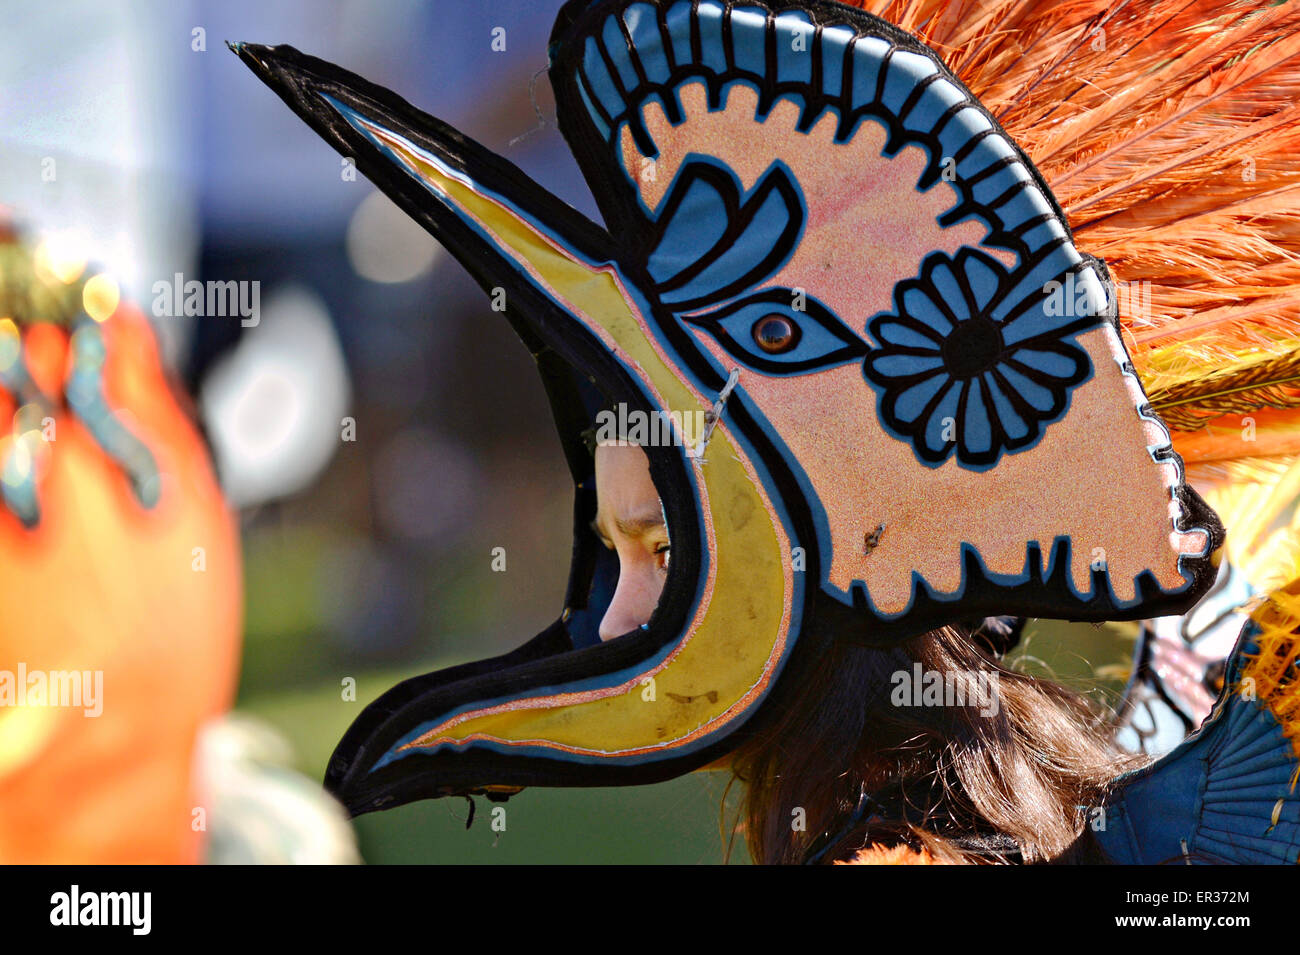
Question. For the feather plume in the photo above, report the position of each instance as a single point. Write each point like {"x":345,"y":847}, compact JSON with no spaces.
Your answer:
{"x":1252,"y":381}
{"x":1266,"y":438}
{"x":1262,"y":513}
{"x":1273,"y":669}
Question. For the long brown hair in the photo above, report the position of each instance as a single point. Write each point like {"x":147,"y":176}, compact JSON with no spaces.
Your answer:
{"x":938,"y":777}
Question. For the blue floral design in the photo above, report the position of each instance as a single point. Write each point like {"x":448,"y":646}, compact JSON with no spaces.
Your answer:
{"x":972,"y":361}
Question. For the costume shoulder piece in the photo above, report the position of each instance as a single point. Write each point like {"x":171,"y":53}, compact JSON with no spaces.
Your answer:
{"x":893,"y":389}
{"x":1228,"y":793}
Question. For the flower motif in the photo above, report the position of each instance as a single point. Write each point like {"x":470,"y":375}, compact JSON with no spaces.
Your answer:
{"x":973,"y":361}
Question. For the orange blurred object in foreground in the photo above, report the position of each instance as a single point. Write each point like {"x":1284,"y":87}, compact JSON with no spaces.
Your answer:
{"x":147,"y":599}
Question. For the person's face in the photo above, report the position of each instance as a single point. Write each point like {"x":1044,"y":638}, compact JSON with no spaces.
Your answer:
{"x":630,"y":522}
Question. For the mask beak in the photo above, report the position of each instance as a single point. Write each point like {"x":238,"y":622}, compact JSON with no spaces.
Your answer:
{"x":661,"y":700}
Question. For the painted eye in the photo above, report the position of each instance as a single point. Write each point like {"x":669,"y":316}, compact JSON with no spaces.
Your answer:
{"x":781,"y":331}
{"x":775,"y":334}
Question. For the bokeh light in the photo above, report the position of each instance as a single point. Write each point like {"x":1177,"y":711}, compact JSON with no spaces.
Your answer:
{"x":386,"y":245}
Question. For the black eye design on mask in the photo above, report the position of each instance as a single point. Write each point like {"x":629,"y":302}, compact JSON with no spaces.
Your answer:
{"x":766,"y":331}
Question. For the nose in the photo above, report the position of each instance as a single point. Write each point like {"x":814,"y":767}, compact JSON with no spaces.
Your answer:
{"x":634,"y":603}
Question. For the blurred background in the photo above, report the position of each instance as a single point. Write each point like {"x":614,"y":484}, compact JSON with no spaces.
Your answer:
{"x":380,"y":429}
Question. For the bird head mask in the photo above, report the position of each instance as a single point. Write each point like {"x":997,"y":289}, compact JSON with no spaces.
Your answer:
{"x":888,"y":391}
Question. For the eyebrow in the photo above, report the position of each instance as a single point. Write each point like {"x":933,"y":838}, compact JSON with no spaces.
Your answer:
{"x":632,"y":526}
